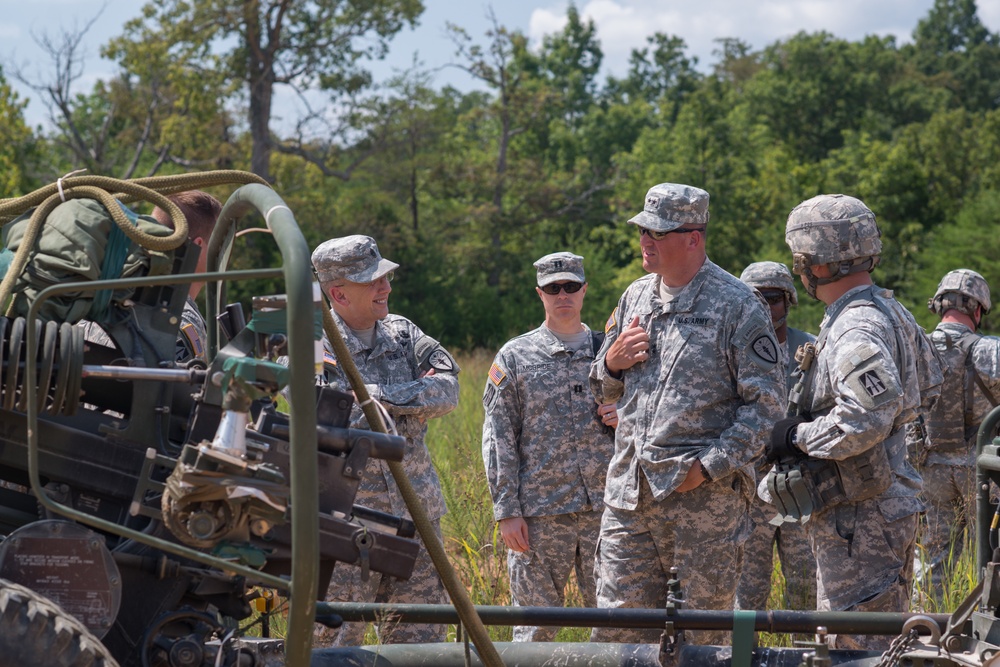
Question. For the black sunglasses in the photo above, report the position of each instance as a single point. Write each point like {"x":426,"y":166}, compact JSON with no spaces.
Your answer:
{"x":656,"y":236}
{"x":773,"y":297}
{"x":553,"y":288}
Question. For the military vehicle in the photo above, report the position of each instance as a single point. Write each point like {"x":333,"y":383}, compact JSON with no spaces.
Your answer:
{"x":146,"y":504}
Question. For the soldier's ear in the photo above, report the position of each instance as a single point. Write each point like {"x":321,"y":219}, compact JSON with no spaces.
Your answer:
{"x":338,"y":296}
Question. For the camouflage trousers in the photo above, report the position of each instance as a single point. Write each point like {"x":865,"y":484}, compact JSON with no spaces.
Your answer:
{"x":559,"y":544}
{"x":864,"y":563}
{"x":700,"y":532}
{"x":948,"y":494}
{"x":798,"y":566}
{"x":423,"y":587}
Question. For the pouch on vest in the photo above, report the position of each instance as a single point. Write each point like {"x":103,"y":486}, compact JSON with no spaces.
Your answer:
{"x":866,"y":475}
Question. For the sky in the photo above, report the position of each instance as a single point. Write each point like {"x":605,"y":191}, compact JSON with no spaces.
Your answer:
{"x":622,"y":25}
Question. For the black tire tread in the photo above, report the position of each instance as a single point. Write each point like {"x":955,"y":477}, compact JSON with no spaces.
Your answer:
{"x":34,"y":630}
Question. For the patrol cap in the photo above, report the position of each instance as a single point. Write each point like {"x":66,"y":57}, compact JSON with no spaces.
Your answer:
{"x":559,"y":266}
{"x":353,"y":258}
{"x":770,"y":275}
{"x":670,"y":205}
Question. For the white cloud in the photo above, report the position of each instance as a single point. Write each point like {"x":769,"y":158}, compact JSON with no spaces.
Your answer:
{"x":623,"y":25}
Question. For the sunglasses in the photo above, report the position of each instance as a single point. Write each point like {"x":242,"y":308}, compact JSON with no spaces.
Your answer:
{"x":656,"y":236}
{"x":388,"y":276}
{"x":554,"y":288}
{"x":773,"y":297}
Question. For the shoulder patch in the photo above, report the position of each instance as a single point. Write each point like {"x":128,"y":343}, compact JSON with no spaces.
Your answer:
{"x":765,"y":348}
{"x":490,"y":396}
{"x":869,"y":377}
{"x":497,"y":374}
{"x":441,"y":361}
{"x":756,"y":336}
{"x":190,"y":344}
{"x":612,"y":320}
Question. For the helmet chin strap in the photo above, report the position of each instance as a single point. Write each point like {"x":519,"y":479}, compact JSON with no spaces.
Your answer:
{"x":838,"y":270}
{"x":779,"y":323}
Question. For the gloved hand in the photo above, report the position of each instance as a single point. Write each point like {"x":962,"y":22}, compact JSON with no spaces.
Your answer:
{"x":782,"y":444}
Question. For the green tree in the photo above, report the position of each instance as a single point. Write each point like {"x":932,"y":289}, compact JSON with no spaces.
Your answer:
{"x":956,"y":51}
{"x":263,"y":45}
{"x":661,"y":74}
{"x":17,"y":144}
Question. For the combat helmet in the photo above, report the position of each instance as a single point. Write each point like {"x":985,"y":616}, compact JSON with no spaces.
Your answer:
{"x":836,"y":230}
{"x":963,"y":290}
{"x":771,"y":275}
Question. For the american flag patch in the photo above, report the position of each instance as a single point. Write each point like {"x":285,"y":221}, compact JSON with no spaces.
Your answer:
{"x":191,"y":333}
{"x":612,"y":321}
{"x":329,"y":359}
{"x":496,"y":374}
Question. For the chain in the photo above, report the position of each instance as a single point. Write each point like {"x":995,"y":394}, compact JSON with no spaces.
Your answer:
{"x":897,"y":648}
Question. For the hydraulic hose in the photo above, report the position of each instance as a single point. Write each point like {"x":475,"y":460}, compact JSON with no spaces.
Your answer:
{"x":105,"y":189}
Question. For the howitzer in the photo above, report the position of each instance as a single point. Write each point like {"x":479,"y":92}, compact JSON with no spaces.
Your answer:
{"x":142,"y":496}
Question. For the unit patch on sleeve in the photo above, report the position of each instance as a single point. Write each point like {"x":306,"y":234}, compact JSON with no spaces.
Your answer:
{"x":872,"y":383}
{"x":765,"y":348}
{"x":490,"y":396}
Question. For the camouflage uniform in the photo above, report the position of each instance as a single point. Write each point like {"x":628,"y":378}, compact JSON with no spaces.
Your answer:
{"x":971,"y":388}
{"x":865,"y":389}
{"x":798,"y":566}
{"x":546,"y":454}
{"x":392,"y":373}
{"x":709,"y":391}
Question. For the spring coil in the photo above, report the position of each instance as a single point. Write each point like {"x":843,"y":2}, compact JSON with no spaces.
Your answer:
{"x":58,"y":367}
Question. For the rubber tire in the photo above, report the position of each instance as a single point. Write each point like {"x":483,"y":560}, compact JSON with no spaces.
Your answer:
{"x":34,"y":630}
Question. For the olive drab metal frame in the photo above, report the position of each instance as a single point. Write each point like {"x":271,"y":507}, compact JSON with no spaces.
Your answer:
{"x":297,"y":275}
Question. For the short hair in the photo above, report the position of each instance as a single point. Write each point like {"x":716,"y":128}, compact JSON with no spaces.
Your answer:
{"x":200,"y":208}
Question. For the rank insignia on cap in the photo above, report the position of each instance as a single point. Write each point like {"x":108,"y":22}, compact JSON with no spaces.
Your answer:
{"x":497,"y":374}
{"x":612,"y":321}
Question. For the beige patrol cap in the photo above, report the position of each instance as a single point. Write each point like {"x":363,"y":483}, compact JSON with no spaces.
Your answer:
{"x":353,"y":258}
{"x":559,"y":266}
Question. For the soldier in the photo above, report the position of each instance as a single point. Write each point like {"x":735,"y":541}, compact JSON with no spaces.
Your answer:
{"x":848,"y":439}
{"x":201,"y":211}
{"x":774,"y":282}
{"x":415,"y":379}
{"x":546,"y":446}
{"x":691,"y":359}
{"x":971,"y":365}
